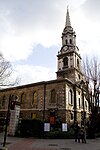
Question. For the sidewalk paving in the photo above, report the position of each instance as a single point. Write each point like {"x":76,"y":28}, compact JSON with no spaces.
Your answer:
{"x":14,"y":143}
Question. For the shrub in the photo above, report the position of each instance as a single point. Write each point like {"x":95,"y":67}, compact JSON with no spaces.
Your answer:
{"x":35,"y":128}
{"x":59,"y":134}
{"x":97,"y":135}
{"x":31,"y":128}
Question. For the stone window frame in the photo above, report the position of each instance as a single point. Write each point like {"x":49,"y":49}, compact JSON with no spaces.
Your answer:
{"x":34,"y":98}
{"x":70,"y":41}
{"x":21,"y":99}
{"x":78,"y":63}
{"x":86,"y":107}
{"x":79,"y":102}
{"x":65,"y":62}
{"x":66,"y":41}
{"x":70,"y":97}
{"x":3,"y":102}
{"x":53,"y":96}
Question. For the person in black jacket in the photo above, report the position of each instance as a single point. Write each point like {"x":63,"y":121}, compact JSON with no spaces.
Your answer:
{"x":83,"y":135}
{"x":77,"y":131}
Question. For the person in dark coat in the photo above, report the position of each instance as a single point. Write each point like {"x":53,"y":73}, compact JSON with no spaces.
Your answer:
{"x":83,"y":135}
{"x":77,"y":131}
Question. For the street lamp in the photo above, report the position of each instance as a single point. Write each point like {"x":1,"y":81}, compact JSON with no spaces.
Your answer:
{"x":82,"y":83}
{"x":75,"y":108}
{"x":7,"y":117}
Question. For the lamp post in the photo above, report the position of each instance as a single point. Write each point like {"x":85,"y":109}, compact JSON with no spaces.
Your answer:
{"x":75,"y":111}
{"x":82,"y":83}
{"x":7,"y":117}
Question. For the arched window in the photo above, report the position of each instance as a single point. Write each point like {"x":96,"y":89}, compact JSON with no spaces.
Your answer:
{"x":34,"y":98}
{"x":77,"y":63}
{"x":3,"y":102}
{"x":70,"y":41}
{"x":65,"y":62}
{"x":66,"y":41}
{"x":22,"y":98}
{"x":79,"y":76}
{"x":53,"y":96}
{"x":85,"y":105}
{"x":79,"y":102}
{"x":70,"y":97}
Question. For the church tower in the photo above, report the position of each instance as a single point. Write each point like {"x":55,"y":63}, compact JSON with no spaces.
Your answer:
{"x":69,"y":59}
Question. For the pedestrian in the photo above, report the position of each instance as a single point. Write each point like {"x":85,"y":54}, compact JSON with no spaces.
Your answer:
{"x":83,"y":136}
{"x":77,"y":131}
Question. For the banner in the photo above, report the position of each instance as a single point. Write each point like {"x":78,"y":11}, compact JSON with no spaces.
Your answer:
{"x":52,"y":120}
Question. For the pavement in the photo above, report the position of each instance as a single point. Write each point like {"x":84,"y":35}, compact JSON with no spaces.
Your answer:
{"x":15,"y":143}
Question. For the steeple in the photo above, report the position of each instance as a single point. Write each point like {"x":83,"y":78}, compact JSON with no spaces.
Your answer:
{"x":67,"y":24}
{"x":68,"y":34}
{"x":69,"y":59}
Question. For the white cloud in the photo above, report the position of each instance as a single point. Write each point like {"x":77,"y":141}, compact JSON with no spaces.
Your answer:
{"x":31,"y":74}
{"x":23,"y":27}
{"x":88,"y":35}
{"x":15,"y":48}
{"x":26,"y":23}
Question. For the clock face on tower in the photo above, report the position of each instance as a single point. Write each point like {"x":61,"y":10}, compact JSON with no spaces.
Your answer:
{"x":65,"y":48}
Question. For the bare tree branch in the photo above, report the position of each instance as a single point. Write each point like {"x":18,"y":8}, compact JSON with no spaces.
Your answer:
{"x":6,"y":73}
{"x":91,"y":71}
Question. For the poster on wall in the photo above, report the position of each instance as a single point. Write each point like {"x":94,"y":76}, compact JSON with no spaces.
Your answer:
{"x":46,"y":126}
{"x":52,"y":120}
{"x":64,"y":127}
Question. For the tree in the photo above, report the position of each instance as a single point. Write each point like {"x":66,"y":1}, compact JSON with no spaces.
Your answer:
{"x":91,"y":73}
{"x":6,"y":73}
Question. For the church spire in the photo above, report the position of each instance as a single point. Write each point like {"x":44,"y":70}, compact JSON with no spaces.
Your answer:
{"x":69,"y":59}
{"x":67,"y":24}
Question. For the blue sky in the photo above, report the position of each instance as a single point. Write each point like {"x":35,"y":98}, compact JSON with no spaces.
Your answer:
{"x":47,"y":56}
{"x":30,"y":34}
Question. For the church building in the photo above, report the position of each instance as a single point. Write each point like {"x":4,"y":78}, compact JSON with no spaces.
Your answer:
{"x":61,"y":100}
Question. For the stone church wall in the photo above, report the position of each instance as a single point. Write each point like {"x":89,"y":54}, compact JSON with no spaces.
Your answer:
{"x":42,"y":100}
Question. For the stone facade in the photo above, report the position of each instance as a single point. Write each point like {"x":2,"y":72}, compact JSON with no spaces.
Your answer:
{"x":38,"y":100}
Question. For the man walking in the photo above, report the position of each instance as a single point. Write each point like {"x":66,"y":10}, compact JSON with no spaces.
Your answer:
{"x":77,"y":131}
